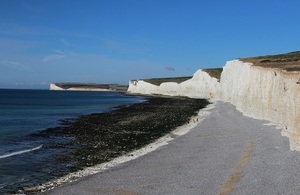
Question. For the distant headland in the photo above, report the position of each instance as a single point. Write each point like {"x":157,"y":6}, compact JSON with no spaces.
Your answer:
{"x":88,"y":87}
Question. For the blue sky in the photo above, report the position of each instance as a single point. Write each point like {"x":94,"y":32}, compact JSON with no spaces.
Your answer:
{"x":113,"y":41}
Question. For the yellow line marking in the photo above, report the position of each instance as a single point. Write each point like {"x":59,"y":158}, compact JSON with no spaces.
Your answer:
{"x":236,"y":174}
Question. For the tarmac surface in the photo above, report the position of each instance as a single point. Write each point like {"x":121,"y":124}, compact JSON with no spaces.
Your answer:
{"x":226,"y":153}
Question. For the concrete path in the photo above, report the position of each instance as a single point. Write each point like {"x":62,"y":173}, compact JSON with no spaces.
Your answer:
{"x":227,"y":153}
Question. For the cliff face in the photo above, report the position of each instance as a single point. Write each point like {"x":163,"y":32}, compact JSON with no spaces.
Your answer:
{"x":55,"y":87}
{"x":140,"y":86}
{"x":201,"y":85}
{"x":266,"y":93}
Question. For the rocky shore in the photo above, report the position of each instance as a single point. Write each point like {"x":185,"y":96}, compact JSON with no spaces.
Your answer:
{"x":97,"y":138}
{"x":226,"y":153}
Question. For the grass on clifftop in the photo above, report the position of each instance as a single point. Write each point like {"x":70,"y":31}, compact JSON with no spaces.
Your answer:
{"x":158,"y":81}
{"x":116,"y":87}
{"x":288,"y":61}
{"x":213,"y":72}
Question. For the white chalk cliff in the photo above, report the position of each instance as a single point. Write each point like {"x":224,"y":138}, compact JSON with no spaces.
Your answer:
{"x":56,"y":87}
{"x":259,"y":92}
{"x":53,"y":86}
{"x":201,"y":85}
{"x":264,"y":93}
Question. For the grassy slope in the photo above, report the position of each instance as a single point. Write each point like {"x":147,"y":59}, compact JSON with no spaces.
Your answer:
{"x":289,"y":61}
{"x":158,"y":81}
{"x":213,"y":72}
{"x":92,"y":86}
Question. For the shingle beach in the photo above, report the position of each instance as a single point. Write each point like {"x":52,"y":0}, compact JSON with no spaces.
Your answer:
{"x":225,"y":153}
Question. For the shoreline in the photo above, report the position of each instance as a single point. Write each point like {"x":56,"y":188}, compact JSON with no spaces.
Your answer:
{"x":226,"y":153}
{"x":162,"y":141}
{"x":124,"y":129}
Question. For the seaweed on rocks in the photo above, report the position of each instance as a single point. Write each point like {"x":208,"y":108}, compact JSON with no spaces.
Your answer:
{"x":98,"y":138}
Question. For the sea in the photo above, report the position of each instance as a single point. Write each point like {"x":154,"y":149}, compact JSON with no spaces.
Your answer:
{"x":25,"y":160}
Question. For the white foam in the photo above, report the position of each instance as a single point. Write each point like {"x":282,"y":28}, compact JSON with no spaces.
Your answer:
{"x":20,"y":152}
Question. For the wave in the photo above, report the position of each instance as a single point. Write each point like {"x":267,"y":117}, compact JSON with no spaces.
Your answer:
{"x":2,"y":185}
{"x":20,"y":152}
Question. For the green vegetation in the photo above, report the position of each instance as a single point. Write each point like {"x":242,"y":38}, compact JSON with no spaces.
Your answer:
{"x":214,"y":72}
{"x":158,"y":81}
{"x":82,"y":85}
{"x":116,"y":87}
{"x":288,"y":61}
{"x":288,"y":57}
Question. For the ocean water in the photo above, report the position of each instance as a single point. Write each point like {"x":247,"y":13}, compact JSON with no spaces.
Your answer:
{"x":26,"y":160}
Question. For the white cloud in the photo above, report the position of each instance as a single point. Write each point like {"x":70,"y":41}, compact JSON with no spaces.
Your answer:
{"x":64,"y":41}
{"x":31,"y":8}
{"x":9,"y":63}
{"x":53,"y":57}
{"x":58,"y":54}
{"x":12,"y":64}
